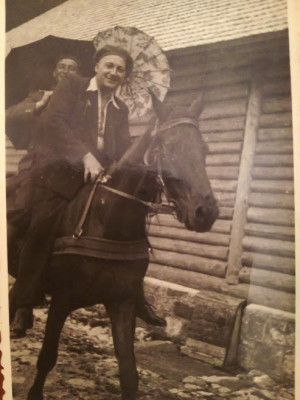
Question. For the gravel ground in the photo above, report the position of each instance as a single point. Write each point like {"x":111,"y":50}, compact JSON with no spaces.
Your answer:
{"x":87,"y":368}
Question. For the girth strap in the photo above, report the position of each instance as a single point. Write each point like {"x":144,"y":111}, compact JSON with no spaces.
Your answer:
{"x":102,"y":248}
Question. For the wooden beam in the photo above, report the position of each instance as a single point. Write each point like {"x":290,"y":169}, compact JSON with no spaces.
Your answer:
{"x":269,"y":262}
{"x":272,"y":186}
{"x":190,"y":263}
{"x":230,"y":136}
{"x":281,"y":248}
{"x":275,"y":216}
{"x":270,"y":279}
{"x":187,"y":248}
{"x":278,"y":200}
{"x":241,"y":202}
{"x":220,"y":226}
{"x":190,"y":236}
{"x":270,"y":231}
{"x":277,"y":147}
{"x":269,"y":134}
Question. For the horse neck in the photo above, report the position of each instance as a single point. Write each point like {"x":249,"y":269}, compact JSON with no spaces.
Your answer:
{"x":111,"y":216}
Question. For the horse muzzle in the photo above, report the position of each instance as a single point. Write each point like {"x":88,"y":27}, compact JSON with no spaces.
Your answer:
{"x":200,"y":217}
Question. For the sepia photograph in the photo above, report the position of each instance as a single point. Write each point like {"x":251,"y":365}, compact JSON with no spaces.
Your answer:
{"x":148,"y":190}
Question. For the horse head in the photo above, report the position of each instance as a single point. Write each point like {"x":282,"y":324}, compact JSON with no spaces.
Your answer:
{"x":179,"y":152}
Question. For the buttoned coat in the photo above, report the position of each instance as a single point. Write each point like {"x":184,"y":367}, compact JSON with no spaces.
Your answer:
{"x":71,"y":131}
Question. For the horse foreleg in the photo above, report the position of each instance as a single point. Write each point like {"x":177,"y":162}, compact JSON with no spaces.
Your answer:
{"x":123,"y":326}
{"x":58,"y":312}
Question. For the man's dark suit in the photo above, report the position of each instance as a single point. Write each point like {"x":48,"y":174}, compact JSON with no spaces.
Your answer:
{"x":70,"y":132}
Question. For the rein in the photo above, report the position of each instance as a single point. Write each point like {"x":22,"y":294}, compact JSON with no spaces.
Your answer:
{"x":155,"y":207}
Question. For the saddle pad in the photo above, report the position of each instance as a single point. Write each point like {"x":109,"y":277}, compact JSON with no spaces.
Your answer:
{"x":102,"y":248}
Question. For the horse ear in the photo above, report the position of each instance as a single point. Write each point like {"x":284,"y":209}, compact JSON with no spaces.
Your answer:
{"x":196,"y":108}
{"x":161,"y":110}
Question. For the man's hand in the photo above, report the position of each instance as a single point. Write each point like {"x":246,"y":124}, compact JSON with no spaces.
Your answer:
{"x":39,"y":105}
{"x":92,"y":167}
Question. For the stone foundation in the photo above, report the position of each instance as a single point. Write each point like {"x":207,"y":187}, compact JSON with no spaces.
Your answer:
{"x":268,"y":341}
{"x":202,"y":322}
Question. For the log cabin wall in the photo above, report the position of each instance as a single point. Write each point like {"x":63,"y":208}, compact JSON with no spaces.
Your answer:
{"x":249,"y":253}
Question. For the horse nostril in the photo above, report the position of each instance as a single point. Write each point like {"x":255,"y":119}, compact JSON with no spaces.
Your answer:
{"x":200,"y":211}
{"x":208,"y":197}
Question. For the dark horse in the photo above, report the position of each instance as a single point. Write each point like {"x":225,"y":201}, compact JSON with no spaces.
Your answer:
{"x":108,"y":262}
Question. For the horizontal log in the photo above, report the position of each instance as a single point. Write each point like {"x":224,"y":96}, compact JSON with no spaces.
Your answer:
{"x":189,"y":263}
{"x":223,"y":159}
{"x":268,"y":200}
{"x":211,"y":94}
{"x":275,"y":87}
{"x":223,"y":109}
{"x":222,"y":124}
{"x":191,"y":279}
{"x":14,"y":152}
{"x":181,"y":246}
{"x":12,"y":159}
{"x":190,"y":236}
{"x":219,"y":185}
{"x":268,"y":279}
{"x":269,"y":246}
{"x":222,"y":172}
{"x":225,"y":147}
{"x":230,"y":136}
{"x":278,"y":147}
{"x":225,"y":212}
{"x":11,"y":169}
{"x":273,"y":173}
{"x":270,"y":134}
{"x":232,"y":91}
{"x":274,"y":216}
{"x":273,"y":160}
{"x":263,"y":296}
{"x":270,"y":231}
{"x":220,"y":225}
{"x":280,"y":104}
{"x":269,"y":262}
{"x":253,"y":293}
{"x":275,"y":120}
{"x":272,"y":186}
{"x":225,"y":199}
{"x":215,"y":78}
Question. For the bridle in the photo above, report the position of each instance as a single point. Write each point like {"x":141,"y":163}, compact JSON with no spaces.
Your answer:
{"x":169,"y":207}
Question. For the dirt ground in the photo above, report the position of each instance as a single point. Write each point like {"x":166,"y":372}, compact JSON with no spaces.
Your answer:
{"x":87,"y":368}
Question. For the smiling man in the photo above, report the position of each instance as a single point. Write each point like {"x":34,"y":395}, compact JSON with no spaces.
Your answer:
{"x":87,"y":129}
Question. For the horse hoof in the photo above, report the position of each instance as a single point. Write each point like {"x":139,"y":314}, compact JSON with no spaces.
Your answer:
{"x":35,"y":394}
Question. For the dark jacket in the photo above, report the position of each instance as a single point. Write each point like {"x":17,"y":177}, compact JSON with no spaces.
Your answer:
{"x":71,"y":130}
{"x":21,"y":120}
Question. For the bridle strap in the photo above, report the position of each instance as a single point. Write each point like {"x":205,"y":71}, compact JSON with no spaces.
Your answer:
{"x":155,"y":207}
{"x":177,"y":121}
{"x":78,"y":230}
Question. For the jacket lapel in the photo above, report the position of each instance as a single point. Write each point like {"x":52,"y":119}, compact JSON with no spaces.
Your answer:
{"x":91,"y":114}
